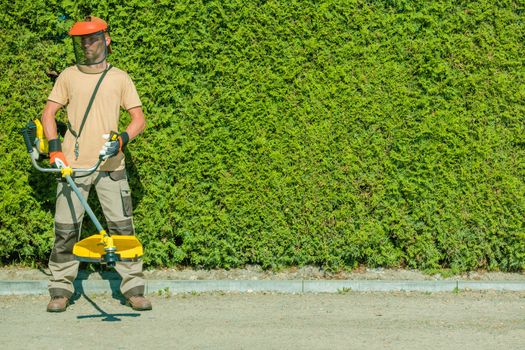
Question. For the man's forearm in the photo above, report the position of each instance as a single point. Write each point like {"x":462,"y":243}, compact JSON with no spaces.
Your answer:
{"x":48,"y":120}
{"x":137,"y":124}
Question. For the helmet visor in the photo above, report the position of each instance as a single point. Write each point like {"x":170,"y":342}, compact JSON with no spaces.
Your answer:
{"x":90,"y":49}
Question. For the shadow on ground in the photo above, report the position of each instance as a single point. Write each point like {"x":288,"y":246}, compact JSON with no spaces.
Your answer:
{"x":114,"y":280}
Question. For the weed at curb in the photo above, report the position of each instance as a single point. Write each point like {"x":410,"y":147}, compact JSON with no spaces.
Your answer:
{"x":344,"y":290}
{"x":164,"y":292}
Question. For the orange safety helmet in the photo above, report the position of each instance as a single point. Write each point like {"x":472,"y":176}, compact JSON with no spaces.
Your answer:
{"x":91,"y":25}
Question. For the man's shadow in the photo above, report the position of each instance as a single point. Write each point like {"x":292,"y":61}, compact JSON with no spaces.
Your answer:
{"x":114,"y":280}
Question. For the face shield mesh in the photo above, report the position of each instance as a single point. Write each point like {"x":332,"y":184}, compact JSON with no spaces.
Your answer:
{"x":90,"y":49}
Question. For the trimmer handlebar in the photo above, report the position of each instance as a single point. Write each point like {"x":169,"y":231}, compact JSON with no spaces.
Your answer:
{"x":85,"y":171}
{"x":29,"y":134}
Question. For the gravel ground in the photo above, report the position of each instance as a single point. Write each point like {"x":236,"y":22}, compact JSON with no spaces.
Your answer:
{"x":256,"y":273}
{"x":350,"y":320}
{"x":344,"y":320}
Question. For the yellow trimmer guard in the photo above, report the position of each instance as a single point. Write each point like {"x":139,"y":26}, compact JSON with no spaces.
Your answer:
{"x":91,"y":249}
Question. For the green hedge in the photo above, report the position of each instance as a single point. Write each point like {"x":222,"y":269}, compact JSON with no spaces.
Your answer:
{"x":281,"y":133}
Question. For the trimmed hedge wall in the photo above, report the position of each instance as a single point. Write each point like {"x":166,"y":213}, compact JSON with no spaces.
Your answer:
{"x":281,"y":133}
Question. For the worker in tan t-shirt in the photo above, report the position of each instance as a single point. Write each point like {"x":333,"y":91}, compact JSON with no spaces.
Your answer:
{"x":86,"y":140}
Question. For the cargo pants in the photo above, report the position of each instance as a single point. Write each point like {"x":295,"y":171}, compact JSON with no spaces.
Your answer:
{"x":114,"y":194}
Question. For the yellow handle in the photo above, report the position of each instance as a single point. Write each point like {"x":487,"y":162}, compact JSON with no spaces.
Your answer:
{"x":42,"y":145}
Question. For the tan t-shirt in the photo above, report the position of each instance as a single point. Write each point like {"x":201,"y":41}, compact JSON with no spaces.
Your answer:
{"x":73,"y":89}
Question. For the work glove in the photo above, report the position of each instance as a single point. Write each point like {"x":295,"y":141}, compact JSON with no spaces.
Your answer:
{"x":57,"y":159}
{"x":116,"y":143}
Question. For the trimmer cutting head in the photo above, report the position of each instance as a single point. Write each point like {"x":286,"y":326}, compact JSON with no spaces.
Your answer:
{"x":91,"y":249}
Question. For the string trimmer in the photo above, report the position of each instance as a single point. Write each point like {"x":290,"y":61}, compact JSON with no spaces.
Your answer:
{"x":102,"y":247}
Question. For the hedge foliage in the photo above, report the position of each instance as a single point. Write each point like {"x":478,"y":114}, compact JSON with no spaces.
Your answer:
{"x":334,"y":133}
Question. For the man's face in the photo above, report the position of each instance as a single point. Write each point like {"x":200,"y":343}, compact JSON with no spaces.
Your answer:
{"x":90,"y":49}
{"x":94,"y":47}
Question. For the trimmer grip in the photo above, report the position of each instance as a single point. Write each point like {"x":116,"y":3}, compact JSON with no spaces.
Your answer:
{"x":29,"y":133}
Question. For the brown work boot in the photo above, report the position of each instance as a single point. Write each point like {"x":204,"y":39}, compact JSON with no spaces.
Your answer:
{"x":139,"y":303}
{"x":57,"y":304}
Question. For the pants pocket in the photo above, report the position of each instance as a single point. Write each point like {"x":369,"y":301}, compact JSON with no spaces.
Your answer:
{"x":125,"y":194}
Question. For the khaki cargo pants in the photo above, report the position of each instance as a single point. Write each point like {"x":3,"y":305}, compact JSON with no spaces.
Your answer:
{"x":115,"y":199}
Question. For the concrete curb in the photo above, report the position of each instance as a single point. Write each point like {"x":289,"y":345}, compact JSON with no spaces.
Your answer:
{"x":39,"y":287}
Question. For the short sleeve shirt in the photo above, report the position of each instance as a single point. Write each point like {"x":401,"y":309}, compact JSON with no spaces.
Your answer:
{"x":73,"y":89}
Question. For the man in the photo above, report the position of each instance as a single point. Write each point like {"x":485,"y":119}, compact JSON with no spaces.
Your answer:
{"x":92,"y":114}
